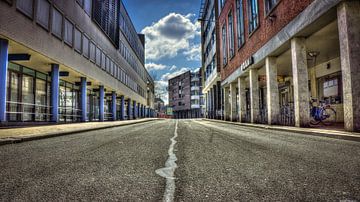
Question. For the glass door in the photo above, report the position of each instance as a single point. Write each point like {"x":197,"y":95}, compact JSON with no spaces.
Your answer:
{"x":28,"y":98}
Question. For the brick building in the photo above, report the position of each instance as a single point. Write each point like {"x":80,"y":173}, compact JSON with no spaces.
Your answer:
{"x":278,"y":55}
{"x":71,"y":61}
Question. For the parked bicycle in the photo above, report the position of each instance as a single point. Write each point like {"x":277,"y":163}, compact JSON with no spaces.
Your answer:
{"x":323,"y":113}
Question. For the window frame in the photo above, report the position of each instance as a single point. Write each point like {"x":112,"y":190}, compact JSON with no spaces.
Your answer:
{"x":53,"y":10}
{"x":46,"y":27}
{"x":250,"y":20}
{"x":268,"y":12}
{"x":230,"y":34}
{"x":224,"y":44}
{"x":240,"y":23}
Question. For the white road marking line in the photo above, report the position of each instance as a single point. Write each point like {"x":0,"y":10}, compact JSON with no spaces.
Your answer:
{"x":169,"y":169}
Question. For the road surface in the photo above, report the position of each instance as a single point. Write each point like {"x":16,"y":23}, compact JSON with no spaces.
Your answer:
{"x":214,"y":162}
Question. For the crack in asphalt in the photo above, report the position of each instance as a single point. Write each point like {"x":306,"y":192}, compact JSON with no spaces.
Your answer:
{"x":169,"y":169}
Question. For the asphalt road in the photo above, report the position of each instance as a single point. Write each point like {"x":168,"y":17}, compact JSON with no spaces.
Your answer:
{"x":215,"y":162}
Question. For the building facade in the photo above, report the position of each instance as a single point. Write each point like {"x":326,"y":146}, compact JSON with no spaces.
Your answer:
{"x":278,"y":57}
{"x":185,"y":95}
{"x":71,"y":61}
{"x":210,"y":70}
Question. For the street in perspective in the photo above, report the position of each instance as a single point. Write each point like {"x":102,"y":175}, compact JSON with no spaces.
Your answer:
{"x":206,"y":100}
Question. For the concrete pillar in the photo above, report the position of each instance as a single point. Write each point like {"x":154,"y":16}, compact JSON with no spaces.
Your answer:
{"x":101,"y":105}
{"x":4,"y":46}
{"x":233,"y":111}
{"x":215,"y":101}
{"x":242,"y":99}
{"x":254,"y":95}
{"x":113,"y":102}
{"x":226,"y":104}
{"x":83,"y":99}
{"x":272,"y":87}
{"x":134,"y":110}
{"x":211,"y":103}
{"x":129,"y":109}
{"x":300,"y":79}
{"x":313,"y":83}
{"x":349,"y":35}
{"x":122,"y":107}
{"x":55,"y":92}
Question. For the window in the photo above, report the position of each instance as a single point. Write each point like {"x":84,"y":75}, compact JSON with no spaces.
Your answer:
{"x":106,"y":16}
{"x":103,"y":61}
{"x":222,"y":3}
{"x":92,"y":52}
{"x":57,"y":20}
{"x":68,"y":32}
{"x":224,"y":44}
{"x":80,"y":2}
{"x":85,"y":46}
{"x":26,"y":7}
{"x":87,"y":6}
{"x":98,"y":57}
{"x":231,"y":35}
{"x":269,"y":5}
{"x":42,"y":13}
{"x":240,"y":23}
{"x":253,"y":15}
{"x":77,"y":42}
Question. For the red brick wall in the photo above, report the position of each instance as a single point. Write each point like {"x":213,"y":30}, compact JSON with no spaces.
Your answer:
{"x":285,"y":11}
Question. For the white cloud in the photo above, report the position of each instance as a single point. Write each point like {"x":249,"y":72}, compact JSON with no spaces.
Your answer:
{"x":171,"y":75}
{"x":170,"y":36}
{"x":153,"y":66}
{"x":193,"y":53}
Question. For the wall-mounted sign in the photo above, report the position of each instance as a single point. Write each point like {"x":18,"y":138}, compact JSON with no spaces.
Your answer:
{"x":247,"y":63}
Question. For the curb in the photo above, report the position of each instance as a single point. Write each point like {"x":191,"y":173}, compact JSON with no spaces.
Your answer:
{"x":352,"y":137}
{"x":14,"y":140}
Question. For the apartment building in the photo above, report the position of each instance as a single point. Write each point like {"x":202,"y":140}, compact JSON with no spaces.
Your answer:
{"x":185,"y":97}
{"x":278,"y":55}
{"x":210,"y":70}
{"x":71,"y":61}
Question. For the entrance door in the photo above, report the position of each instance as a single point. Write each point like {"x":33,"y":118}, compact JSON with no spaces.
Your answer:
{"x":28,"y":98}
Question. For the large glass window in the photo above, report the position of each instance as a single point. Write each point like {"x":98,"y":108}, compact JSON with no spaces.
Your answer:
{"x":253,"y":15}
{"x":224,"y":44}
{"x":28,"y":97}
{"x":41,"y":100}
{"x":231,"y":35}
{"x":13,"y":98}
{"x":57,"y":20}
{"x":43,"y":13}
{"x":240,"y":23}
{"x":26,"y":7}
{"x":270,"y":4}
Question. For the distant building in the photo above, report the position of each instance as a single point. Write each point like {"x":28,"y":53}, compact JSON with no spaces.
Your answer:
{"x":185,"y":95}
{"x":159,"y":105}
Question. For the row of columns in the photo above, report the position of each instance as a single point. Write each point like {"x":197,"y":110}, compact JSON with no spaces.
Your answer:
{"x":137,"y":111}
{"x":301,"y":92}
{"x":213,"y":101}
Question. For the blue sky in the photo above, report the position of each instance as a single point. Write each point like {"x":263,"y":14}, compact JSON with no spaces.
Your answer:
{"x":172,"y":36}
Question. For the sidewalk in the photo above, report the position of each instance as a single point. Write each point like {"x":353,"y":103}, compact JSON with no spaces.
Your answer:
{"x":339,"y":134}
{"x":17,"y":135}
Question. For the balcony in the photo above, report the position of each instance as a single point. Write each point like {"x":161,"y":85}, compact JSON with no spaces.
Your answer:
{"x":195,"y":97}
{"x":194,"y":79}
{"x":195,"y":88}
{"x":195,"y":106}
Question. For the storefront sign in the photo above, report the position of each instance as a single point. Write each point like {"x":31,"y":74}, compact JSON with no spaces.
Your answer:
{"x":245,"y":65}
